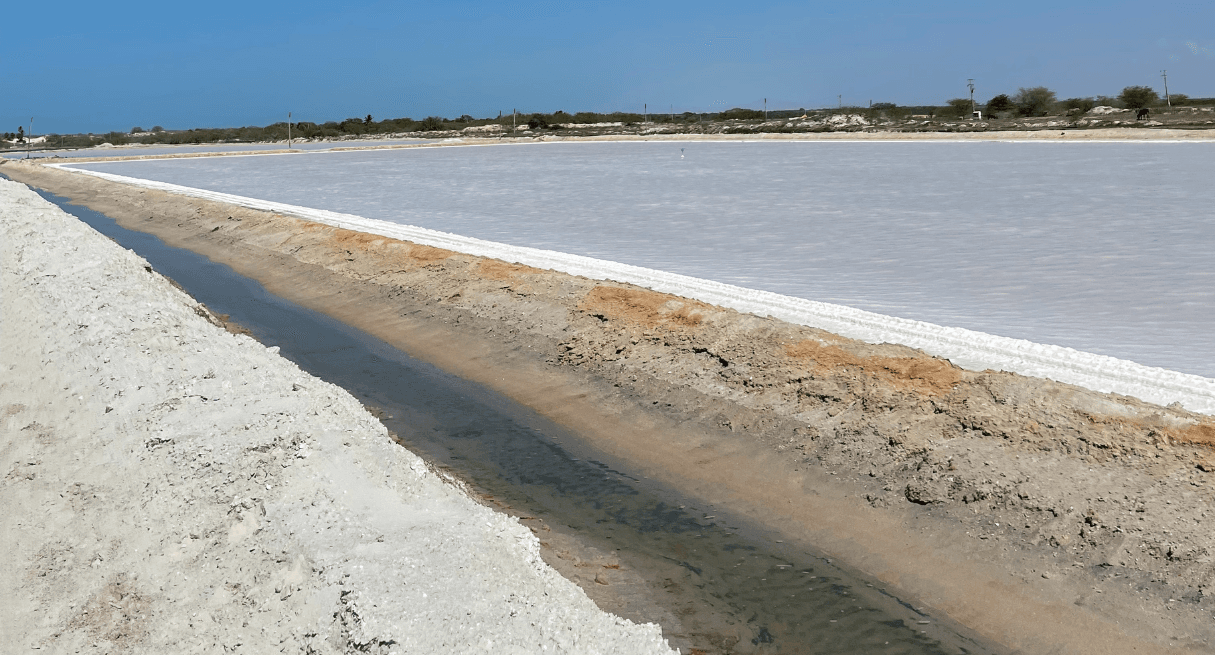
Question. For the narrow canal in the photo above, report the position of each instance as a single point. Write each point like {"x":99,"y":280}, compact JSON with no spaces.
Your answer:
{"x":757,"y":594}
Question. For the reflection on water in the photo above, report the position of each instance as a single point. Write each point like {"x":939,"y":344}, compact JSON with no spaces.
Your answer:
{"x":773,"y":597}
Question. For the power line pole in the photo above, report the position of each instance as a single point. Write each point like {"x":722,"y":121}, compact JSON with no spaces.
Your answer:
{"x":840,"y":97}
{"x":1165,"y":75}
{"x":645,"y":112}
{"x":765,"y":109}
{"x":288,"y":130}
{"x":971,"y":84}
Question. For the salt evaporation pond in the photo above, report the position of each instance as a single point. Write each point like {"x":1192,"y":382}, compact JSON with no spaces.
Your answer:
{"x":1103,"y":247}
{"x":191,"y":149}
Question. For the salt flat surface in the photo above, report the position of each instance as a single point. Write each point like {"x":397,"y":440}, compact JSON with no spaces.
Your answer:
{"x":1101,"y":247}
{"x":143,"y":151}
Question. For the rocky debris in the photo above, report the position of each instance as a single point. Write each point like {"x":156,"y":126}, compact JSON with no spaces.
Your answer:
{"x":170,"y":486}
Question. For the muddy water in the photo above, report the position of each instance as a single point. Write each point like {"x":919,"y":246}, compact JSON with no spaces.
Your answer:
{"x":743,"y":588}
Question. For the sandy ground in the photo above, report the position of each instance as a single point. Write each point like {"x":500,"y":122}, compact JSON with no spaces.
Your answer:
{"x":1046,"y":517}
{"x":169,"y":486}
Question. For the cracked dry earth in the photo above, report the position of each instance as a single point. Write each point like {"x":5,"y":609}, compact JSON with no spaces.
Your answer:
{"x":1092,"y":500}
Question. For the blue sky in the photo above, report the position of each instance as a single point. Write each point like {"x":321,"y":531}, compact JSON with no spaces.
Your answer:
{"x":94,"y":67}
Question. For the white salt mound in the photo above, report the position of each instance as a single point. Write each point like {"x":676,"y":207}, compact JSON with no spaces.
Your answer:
{"x":172,"y":487}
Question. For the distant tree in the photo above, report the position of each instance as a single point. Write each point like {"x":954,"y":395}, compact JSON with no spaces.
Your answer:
{"x":157,"y":128}
{"x":431,"y":123}
{"x":959,"y":107}
{"x":742,"y":114}
{"x":880,"y":106}
{"x":537,"y":121}
{"x":1138,"y":97}
{"x":1079,"y":105}
{"x":367,"y":121}
{"x":999,"y":104}
{"x":1034,"y":101}
{"x":1179,"y":98}
{"x":465,"y":118}
{"x":20,"y":135}
{"x":136,"y":129}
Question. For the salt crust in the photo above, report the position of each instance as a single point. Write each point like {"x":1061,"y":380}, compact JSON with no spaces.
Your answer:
{"x":967,"y":348}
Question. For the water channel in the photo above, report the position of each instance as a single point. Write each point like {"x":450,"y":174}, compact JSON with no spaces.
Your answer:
{"x":775,"y":597}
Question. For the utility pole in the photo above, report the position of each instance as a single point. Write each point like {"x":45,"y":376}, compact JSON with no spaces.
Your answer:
{"x":841,"y":99}
{"x":514,"y":119}
{"x":765,"y":109}
{"x":288,"y":130}
{"x":645,"y":112}
{"x":971,"y":84}
{"x":1165,"y":75}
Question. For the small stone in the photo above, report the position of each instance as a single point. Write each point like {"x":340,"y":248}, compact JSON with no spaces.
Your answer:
{"x":1046,"y":575}
{"x":601,"y":579}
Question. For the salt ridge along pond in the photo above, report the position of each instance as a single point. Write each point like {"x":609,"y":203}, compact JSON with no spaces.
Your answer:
{"x":1093,"y":246}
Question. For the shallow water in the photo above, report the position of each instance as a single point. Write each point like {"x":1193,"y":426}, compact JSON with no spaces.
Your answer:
{"x":1102,"y":247}
{"x":775,"y":597}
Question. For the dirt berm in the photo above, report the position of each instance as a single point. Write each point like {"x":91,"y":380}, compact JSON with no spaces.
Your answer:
{"x":1047,"y":517}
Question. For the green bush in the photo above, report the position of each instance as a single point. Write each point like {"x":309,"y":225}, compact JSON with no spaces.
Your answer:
{"x":1138,"y":97}
{"x":1034,"y":101}
{"x":959,"y":107}
{"x":431,"y":123}
{"x":999,"y":104}
{"x":1079,"y":105}
{"x":739,"y":113}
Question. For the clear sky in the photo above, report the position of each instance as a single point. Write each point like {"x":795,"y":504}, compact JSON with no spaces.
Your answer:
{"x":98,"y":66}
